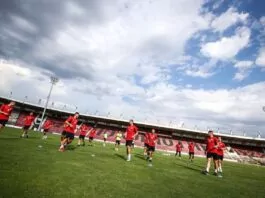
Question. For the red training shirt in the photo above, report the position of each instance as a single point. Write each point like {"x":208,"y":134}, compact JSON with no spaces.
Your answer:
{"x":47,"y":124}
{"x":211,"y":142}
{"x":73,"y":121}
{"x":6,"y":109}
{"x":219,"y":150}
{"x":83,"y":129}
{"x":191,"y":147}
{"x":178,"y":147}
{"x":92,"y":133}
{"x":152,"y":137}
{"x":130,"y":132}
{"x":29,"y":120}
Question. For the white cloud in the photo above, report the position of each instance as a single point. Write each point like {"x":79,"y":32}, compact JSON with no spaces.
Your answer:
{"x":241,"y":75}
{"x":228,"y":19}
{"x":244,"y":64}
{"x":244,"y":69}
{"x":227,"y":47}
{"x":155,"y":36}
{"x":260,"y":61}
{"x":198,"y":73}
{"x":262,"y":20}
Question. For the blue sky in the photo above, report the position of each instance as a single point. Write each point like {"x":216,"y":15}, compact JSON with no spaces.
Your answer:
{"x":193,"y":61}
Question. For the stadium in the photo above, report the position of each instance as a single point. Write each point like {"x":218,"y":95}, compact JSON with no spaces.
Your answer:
{"x":240,"y":149}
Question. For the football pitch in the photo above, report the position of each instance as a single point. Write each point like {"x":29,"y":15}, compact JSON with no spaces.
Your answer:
{"x":34,"y":168}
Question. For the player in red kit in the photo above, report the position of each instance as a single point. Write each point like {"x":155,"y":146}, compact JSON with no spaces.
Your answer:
{"x":27,"y":124}
{"x":69,"y":130}
{"x":191,"y":151}
{"x":5,"y":112}
{"x":83,"y":131}
{"x":211,"y":145}
{"x":220,"y":156}
{"x":92,"y":134}
{"x":130,"y":134}
{"x":46,"y":127}
{"x":145,"y":144}
{"x":152,"y":139}
{"x":178,"y":149}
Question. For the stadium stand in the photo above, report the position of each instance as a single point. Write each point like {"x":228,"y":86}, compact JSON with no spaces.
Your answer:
{"x":239,"y":149}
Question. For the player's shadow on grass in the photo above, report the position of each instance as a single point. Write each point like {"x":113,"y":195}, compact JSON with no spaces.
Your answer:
{"x":120,"y":156}
{"x":9,"y":138}
{"x":139,"y":156}
{"x":190,"y":167}
{"x":71,"y":148}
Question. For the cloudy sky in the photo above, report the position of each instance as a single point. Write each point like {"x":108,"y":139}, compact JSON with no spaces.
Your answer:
{"x":200,"y":62}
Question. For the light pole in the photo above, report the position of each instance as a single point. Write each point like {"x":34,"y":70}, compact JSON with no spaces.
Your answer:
{"x":259,"y":134}
{"x":54,"y":80}
{"x":10,"y":95}
{"x":25,"y":99}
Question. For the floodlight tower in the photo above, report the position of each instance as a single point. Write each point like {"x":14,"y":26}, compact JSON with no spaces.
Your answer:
{"x":54,"y":80}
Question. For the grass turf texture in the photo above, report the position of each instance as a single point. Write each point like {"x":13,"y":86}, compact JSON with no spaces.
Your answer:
{"x":26,"y":170}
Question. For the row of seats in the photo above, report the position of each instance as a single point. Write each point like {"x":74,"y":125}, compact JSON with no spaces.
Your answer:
{"x":163,"y":143}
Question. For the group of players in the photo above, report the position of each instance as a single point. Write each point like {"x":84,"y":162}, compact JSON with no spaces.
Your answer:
{"x":70,"y":127}
{"x":214,"y":146}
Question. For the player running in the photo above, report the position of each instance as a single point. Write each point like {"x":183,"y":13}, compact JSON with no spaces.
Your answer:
{"x":211,"y":145}
{"x":178,"y":149}
{"x":5,"y":112}
{"x":118,"y":140}
{"x":220,"y":155}
{"x":152,"y":139}
{"x":69,"y":131}
{"x":28,"y":121}
{"x":105,"y":137}
{"x":130,"y":134}
{"x":191,"y":151}
{"x":92,"y":135}
{"x":83,"y":131}
{"x":46,"y":127}
{"x":146,"y":145}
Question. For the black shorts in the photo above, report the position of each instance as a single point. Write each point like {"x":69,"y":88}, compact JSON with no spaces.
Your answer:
{"x":45,"y":130}
{"x":151,"y":148}
{"x":82,"y":137}
{"x":105,"y":139}
{"x":3,"y":122}
{"x":146,"y":145}
{"x":118,"y":142}
{"x":191,"y":153}
{"x":211,"y":155}
{"x":70,"y":136}
{"x":129,"y":143}
{"x":26,"y":127}
{"x":220,"y":157}
{"x":91,"y":138}
{"x":63,"y":133}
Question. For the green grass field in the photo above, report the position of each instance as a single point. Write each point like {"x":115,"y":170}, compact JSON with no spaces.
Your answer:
{"x":29,"y":171}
